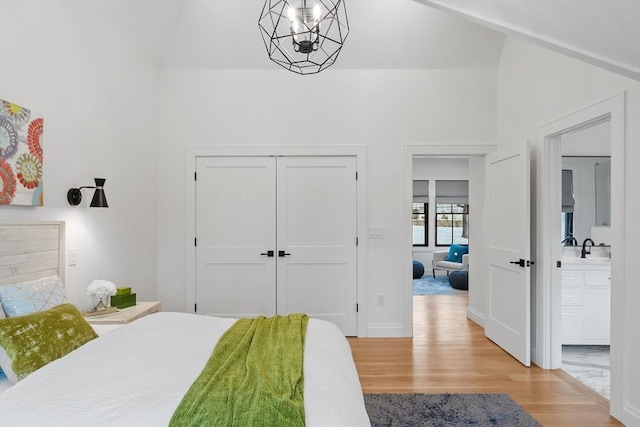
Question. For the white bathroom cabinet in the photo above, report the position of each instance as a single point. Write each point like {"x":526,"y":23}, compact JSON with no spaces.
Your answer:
{"x":586,"y":304}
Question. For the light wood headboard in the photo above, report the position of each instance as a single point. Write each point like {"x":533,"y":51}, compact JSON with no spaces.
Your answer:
{"x":30,"y":251}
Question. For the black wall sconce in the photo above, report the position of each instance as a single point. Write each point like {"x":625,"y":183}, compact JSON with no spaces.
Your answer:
{"x":74,"y":197}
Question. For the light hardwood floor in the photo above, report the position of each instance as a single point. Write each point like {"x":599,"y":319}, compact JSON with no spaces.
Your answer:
{"x":450,"y":354}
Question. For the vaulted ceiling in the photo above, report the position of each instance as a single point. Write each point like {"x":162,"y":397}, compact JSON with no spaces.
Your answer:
{"x":605,"y":33}
{"x":385,"y":34}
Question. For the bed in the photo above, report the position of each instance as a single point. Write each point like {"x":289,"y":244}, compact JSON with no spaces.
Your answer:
{"x":138,"y":374}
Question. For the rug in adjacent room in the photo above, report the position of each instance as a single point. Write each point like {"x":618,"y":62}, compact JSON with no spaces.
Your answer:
{"x":427,"y":285}
{"x":444,"y":410}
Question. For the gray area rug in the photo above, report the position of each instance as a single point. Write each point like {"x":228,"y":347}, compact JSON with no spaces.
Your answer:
{"x":396,"y":410}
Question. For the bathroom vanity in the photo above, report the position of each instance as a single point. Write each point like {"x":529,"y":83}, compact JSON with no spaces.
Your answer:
{"x":586,"y":300}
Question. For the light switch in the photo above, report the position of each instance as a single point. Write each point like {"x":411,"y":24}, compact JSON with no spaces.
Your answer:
{"x":376,"y":232}
{"x":73,"y":256}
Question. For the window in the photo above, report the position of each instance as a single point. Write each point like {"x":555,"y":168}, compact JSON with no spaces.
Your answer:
{"x":568,"y":204}
{"x":566,"y":228}
{"x":420,"y":221}
{"x":420,"y":212}
{"x":452,"y":223}
{"x":452,"y":212}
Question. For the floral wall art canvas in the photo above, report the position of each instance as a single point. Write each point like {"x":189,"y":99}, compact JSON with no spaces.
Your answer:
{"x":21,"y":158}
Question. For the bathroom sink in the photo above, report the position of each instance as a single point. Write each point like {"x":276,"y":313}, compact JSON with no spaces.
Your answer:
{"x":569,"y":260}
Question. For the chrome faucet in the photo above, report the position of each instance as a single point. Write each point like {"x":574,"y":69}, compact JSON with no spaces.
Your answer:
{"x":586,"y":251}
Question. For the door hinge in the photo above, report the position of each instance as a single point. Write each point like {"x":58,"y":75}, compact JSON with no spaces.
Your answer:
{"x":559,"y":264}
{"x":195,"y":308}
{"x":356,"y":175}
{"x":357,"y":308}
{"x":195,"y":176}
{"x":357,"y":241}
{"x":195,"y":241}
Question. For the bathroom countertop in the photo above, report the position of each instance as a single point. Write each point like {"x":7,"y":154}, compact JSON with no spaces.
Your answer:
{"x":589,"y":260}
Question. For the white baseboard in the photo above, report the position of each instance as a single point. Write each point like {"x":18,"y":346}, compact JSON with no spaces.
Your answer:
{"x":475,"y":315}
{"x":385,"y":330}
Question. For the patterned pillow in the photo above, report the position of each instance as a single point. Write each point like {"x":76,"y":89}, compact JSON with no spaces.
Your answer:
{"x":29,"y":342}
{"x":32,"y":296}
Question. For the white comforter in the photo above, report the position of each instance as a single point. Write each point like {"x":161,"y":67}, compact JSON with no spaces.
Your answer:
{"x":136,"y":376}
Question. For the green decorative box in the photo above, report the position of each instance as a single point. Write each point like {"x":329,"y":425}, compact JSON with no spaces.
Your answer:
{"x":123,"y":291}
{"x":123,"y":301}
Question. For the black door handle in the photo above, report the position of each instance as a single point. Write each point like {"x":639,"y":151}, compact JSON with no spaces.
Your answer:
{"x":283,"y":253}
{"x":520,"y":262}
{"x":268,"y":253}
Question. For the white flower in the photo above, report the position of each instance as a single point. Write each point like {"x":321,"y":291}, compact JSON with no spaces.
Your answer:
{"x":101,"y":287}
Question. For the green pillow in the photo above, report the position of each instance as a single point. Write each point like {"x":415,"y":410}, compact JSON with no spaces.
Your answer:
{"x":33,"y":340}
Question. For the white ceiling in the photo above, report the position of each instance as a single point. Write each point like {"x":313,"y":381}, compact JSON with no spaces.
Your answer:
{"x":605,"y":33}
{"x":400,"y":34}
{"x":224,"y":34}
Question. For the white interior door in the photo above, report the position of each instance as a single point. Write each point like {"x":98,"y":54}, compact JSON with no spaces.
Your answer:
{"x":317,"y":239}
{"x":508,"y":233}
{"x":235,"y":223}
{"x":251,"y":209}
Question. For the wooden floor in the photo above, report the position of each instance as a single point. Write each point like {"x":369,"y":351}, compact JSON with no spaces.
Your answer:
{"x":450,"y":354}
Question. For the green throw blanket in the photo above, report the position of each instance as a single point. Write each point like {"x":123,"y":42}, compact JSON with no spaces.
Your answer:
{"x":253,"y":378}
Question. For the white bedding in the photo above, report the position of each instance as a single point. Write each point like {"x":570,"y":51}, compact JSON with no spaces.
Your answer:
{"x":136,"y":375}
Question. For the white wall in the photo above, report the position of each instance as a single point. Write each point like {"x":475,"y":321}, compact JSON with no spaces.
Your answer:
{"x":98,"y":101}
{"x":536,"y":87}
{"x":102,"y":116}
{"x":381,"y":110}
{"x":478,"y":276}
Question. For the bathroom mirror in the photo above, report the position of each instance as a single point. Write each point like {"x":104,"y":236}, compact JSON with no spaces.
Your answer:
{"x":586,"y":161}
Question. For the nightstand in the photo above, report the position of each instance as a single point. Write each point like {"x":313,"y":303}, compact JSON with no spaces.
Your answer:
{"x":126,"y":315}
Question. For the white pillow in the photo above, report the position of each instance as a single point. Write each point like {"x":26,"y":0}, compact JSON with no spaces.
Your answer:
{"x":32,"y":296}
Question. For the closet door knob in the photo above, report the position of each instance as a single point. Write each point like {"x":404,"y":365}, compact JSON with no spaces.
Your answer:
{"x":520,"y":262}
{"x":283,"y":254}
{"x":268,"y":253}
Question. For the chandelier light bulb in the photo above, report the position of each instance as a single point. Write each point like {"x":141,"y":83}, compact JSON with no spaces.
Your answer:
{"x":292,"y":15}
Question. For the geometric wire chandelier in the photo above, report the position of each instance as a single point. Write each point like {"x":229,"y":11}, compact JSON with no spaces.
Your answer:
{"x":304,"y":36}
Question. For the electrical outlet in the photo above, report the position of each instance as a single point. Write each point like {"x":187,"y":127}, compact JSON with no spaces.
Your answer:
{"x":380,"y":300}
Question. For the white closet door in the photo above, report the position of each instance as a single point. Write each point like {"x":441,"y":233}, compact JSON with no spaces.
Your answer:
{"x":235,"y":198}
{"x":316,"y":239}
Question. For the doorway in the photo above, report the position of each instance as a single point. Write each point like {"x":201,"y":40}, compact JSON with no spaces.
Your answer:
{"x":192,"y":155}
{"x":441,"y":212}
{"x":475,"y":155}
{"x":548,"y":297}
{"x":585,"y":282}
